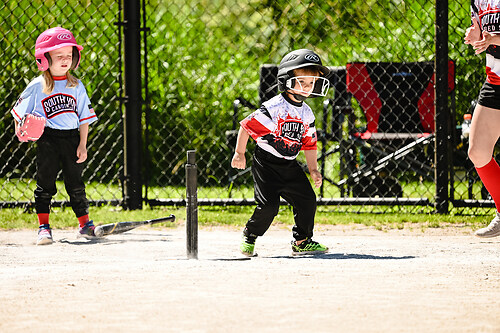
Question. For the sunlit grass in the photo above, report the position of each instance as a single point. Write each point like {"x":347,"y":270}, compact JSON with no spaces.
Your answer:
{"x":237,"y":216}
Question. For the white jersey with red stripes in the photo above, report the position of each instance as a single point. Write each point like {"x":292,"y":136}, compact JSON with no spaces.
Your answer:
{"x":65,"y":108}
{"x":282,"y":127}
{"x":487,"y":13}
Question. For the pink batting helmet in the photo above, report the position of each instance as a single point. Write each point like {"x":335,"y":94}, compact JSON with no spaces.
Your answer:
{"x":53,"y":39}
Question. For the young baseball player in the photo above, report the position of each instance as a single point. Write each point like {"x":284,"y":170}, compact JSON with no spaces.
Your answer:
{"x":484,"y":36}
{"x":282,"y":127}
{"x":61,"y":101}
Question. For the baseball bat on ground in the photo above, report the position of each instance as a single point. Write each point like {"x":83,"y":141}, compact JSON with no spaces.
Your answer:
{"x":119,"y":227}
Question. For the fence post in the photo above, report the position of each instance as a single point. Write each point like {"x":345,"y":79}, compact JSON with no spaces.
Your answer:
{"x":132,"y":123}
{"x":191,"y":205}
{"x":442,"y":110}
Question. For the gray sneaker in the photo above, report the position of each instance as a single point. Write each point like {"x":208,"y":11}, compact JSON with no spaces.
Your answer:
{"x":44,"y":236}
{"x":492,"y":230}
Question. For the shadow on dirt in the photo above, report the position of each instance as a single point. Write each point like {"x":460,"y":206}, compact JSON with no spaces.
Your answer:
{"x":341,"y":256}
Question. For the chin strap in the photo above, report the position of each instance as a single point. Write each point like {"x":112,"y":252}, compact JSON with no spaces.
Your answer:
{"x":300,"y":98}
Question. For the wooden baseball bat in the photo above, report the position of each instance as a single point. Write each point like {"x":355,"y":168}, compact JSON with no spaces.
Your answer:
{"x":119,"y":227}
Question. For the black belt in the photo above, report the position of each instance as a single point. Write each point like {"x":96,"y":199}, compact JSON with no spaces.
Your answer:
{"x":61,"y":133}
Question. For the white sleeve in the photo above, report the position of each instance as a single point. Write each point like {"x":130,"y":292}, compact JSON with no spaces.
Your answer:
{"x":25,"y":104}
{"x":86,"y":113}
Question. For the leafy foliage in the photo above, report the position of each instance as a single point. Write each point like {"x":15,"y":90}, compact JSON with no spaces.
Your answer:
{"x":201,"y":56}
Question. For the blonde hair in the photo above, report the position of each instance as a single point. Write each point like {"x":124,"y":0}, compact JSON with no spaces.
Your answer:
{"x":48,"y":82}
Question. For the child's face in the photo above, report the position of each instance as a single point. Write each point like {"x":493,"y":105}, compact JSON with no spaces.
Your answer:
{"x":304,"y":82}
{"x":61,"y":60}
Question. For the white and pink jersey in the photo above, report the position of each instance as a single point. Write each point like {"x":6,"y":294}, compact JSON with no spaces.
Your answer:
{"x":65,"y":108}
{"x":487,"y":12}
{"x":282,"y":127}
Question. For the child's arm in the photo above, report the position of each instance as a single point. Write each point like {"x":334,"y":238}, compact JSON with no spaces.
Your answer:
{"x":239,"y":161}
{"x":312,"y":164}
{"x":81,"y":151}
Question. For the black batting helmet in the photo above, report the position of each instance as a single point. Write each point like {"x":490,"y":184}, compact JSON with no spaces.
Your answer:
{"x":299,"y":59}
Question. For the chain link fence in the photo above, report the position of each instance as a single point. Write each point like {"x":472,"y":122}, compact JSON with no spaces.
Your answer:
{"x":93,"y":24}
{"x":208,"y":64}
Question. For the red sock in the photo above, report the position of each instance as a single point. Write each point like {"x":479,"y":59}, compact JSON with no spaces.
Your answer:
{"x":490,"y":175}
{"x":43,"y":218}
{"x":83,"y":219}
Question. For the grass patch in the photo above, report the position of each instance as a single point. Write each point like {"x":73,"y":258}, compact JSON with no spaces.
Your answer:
{"x":236,"y":216}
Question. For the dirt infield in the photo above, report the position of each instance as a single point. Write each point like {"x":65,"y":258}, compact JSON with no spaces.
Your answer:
{"x":439,"y":280}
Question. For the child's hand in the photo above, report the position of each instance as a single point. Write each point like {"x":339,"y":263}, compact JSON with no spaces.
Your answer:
{"x":488,"y":39}
{"x":316,"y":177}
{"x":81,"y":153}
{"x":473,"y":33}
{"x":239,"y":161}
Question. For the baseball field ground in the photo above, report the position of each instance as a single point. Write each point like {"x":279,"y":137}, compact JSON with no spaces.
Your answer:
{"x":372,"y":280}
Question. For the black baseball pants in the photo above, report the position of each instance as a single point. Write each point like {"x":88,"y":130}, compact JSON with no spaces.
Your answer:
{"x":274,"y":178}
{"x":56,"y":151}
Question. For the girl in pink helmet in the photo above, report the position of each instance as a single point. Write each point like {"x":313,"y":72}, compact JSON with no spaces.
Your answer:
{"x":62,"y":100}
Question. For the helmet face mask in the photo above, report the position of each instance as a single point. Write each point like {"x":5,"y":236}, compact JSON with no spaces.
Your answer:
{"x":319,"y":87}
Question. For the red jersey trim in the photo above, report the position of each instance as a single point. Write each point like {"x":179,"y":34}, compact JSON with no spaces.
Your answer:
{"x":488,"y":11}
{"x":254,"y":128}
{"x":94,"y":116}
{"x":17,"y":115}
{"x":492,"y":77}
